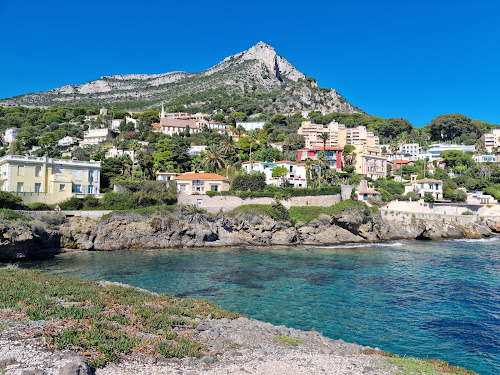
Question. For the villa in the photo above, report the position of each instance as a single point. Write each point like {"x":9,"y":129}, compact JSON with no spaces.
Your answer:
{"x":424,"y":186}
{"x":199,"y":183}
{"x":43,"y":179}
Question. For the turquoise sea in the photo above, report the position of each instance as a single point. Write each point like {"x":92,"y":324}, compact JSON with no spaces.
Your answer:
{"x":420,"y":299}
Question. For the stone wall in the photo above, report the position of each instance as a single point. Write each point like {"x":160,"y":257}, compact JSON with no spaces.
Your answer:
{"x":405,"y":216}
{"x":227,"y":203}
{"x":431,"y":208}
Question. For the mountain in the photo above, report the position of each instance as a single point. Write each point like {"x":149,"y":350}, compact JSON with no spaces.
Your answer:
{"x":254,"y":81}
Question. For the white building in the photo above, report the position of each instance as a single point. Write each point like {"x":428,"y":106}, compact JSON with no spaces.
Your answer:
{"x":484,"y":158}
{"x":424,"y":186}
{"x":295,"y":177}
{"x":166,"y":176}
{"x":219,"y":127}
{"x":434,"y":151}
{"x":196,"y":150}
{"x":66,"y":142}
{"x":251,"y":125}
{"x":119,"y":151}
{"x":10,"y":135}
{"x":115,"y":123}
{"x":93,"y":137}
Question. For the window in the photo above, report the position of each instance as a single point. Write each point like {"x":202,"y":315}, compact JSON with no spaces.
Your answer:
{"x":20,"y":187}
{"x":20,"y":170}
{"x":78,"y":175}
{"x":37,"y":187}
{"x":91,"y":175}
{"x":214,"y":188}
{"x":59,"y":170}
{"x":38,"y":171}
{"x":91,"y":189}
{"x":421,"y":186}
{"x":77,"y":188}
{"x":62,"y":187}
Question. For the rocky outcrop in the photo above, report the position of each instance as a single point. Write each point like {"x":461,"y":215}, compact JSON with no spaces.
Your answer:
{"x":123,"y":231}
{"x":132,"y":231}
{"x":22,"y":241}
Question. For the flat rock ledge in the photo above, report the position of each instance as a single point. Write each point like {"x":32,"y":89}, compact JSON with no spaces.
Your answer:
{"x":240,"y":346}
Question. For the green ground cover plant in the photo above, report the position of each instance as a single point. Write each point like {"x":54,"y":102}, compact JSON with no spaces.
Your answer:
{"x":421,"y":366}
{"x":287,"y":340}
{"x":105,"y":323}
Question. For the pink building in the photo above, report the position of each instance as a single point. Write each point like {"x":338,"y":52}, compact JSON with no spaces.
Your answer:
{"x":333,"y":155}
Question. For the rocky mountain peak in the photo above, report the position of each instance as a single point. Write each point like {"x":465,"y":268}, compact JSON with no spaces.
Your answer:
{"x":272,"y":63}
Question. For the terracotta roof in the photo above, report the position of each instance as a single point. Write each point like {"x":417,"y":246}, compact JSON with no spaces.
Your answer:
{"x":156,"y":125}
{"x":400,"y":161}
{"x":368,"y":192}
{"x":178,"y":123}
{"x":200,"y":176}
{"x":285,"y":161}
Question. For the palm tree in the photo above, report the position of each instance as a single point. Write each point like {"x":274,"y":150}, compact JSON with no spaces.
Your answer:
{"x":287,"y":144}
{"x":213,"y":158}
{"x":252,"y":135}
{"x":240,"y":129}
{"x":324,"y":137}
{"x":322,"y":162}
{"x":309,"y":166}
{"x":226,"y":147}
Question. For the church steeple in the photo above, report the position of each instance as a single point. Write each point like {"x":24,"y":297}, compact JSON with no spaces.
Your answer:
{"x":162,"y":115}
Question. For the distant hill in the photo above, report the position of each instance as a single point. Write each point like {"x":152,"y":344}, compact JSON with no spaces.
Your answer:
{"x":256,"y":80}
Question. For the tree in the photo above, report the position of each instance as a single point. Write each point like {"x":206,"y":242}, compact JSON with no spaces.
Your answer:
{"x":309,"y":165}
{"x":392,"y":127}
{"x":145,"y":161}
{"x":454,"y":158}
{"x":278,"y":120}
{"x":349,"y":155}
{"x":449,"y":126}
{"x":15,"y":148}
{"x":280,"y":172}
{"x":219,"y":117}
{"x":325,"y":137}
{"x":268,"y":155}
{"x":429,"y":198}
{"x":252,"y":136}
{"x":235,"y":117}
{"x":213,"y":159}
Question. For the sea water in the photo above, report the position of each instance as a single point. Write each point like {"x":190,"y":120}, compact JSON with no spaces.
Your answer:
{"x":420,"y":299}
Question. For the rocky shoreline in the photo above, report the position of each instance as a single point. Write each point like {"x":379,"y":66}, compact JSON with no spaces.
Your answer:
{"x":129,"y":230}
{"x":240,"y":346}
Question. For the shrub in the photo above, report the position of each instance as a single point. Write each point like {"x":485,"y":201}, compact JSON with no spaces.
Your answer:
{"x":467,"y":213}
{"x":40,"y":206}
{"x":429,"y":198}
{"x":52,"y":219}
{"x":72,"y":204}
{"x":279,"y":212}
{"x":249,"y":181}
{"x":212,"y":193}
{"x":9,"y":200}
{"x":90,"y":202}
{"x":8,"y":214}
{"x":374,"y":209}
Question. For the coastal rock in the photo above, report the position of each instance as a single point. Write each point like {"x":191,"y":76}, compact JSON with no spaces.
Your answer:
{"x":76,"y":367}
{"x":494,"y":224}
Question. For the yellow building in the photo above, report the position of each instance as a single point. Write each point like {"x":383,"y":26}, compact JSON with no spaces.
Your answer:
{"x":43,"y":179}
{"x":200,"y":183}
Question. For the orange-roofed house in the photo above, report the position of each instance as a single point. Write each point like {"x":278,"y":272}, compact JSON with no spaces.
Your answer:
{"x":200,"y":183}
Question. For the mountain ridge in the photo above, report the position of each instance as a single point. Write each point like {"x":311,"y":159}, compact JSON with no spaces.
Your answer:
{"x":258,"y":75}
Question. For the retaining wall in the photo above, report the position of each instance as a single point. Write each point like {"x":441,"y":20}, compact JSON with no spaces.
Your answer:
{"x":406,"y":215}
{"x":227,"y":203}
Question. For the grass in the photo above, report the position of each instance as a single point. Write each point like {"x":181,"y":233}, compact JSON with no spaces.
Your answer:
{"x":287,"y":340}
{"x":306,"y":214}
{"x":421,"y":366}
{"x":105,"y":323}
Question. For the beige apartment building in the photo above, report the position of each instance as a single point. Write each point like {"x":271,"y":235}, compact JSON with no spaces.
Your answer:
{"x":200,"y":183}
{"x":43,"y":179}
{"x":339,"y":135}
{"x":491,"y":140}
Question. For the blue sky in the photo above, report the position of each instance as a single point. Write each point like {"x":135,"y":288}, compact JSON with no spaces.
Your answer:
{"x":411,"y":59}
